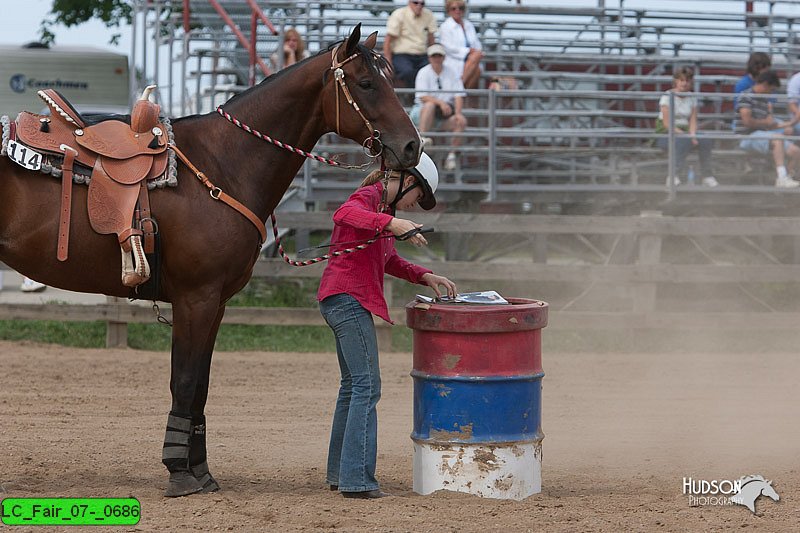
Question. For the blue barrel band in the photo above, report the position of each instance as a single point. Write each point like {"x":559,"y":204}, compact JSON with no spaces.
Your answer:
{"x":417,"y":374}
{"x":498,"y":443}
{"x":477,"y":410}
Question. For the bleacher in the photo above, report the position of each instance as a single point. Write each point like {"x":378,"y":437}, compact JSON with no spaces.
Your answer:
{"x":578,"y":127}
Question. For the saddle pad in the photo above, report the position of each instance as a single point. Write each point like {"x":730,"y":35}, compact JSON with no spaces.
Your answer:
{"x":29,"y":133}
{"x":117,"y":140}
{"x":127,"y":171}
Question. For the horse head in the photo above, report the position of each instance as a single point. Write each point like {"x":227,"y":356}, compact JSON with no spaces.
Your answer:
{"x":362,"y":106}
{"x":768,"y":491}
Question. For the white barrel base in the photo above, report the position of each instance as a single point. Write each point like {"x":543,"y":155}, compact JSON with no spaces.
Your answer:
{"x":508,"y":471}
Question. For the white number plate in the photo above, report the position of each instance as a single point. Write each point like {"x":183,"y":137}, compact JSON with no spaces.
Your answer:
{"x":24,"y":156}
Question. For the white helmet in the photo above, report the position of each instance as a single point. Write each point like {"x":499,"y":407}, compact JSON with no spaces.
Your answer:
{"x":428,"y":177}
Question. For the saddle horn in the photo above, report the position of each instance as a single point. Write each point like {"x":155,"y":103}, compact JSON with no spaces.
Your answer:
{"x":145,"y":113}
{"x":147,"y":92}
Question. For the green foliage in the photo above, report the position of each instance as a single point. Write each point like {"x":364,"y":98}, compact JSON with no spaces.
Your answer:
{"x":113,"y":13}
{"x":262,"y":292}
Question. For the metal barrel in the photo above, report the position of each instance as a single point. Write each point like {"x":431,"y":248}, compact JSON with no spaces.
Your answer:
{"x":477,"y":397}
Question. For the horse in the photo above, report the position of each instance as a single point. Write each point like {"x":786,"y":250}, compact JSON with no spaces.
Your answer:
{"x":751,"y":488}
{"x":208,"y":248}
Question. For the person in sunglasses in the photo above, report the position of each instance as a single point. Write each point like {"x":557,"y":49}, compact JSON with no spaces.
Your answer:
{"x":410,"y":30}
{"x":460,"y":40}
{"x":350,"y":292}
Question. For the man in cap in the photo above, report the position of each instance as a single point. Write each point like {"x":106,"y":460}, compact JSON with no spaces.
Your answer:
{"x":439,"y":100}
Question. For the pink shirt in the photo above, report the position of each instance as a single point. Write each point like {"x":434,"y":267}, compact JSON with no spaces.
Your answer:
{"x":360,"y":274}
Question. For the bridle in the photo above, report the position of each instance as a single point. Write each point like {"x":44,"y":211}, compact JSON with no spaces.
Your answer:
{"x":338,"y":75}
{"x":373,"y":147}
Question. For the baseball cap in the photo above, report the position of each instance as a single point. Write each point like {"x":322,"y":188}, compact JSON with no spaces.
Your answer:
{"x":436,"y":49}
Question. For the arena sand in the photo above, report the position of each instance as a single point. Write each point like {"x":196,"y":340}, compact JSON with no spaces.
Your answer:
{"x":622,"y":431}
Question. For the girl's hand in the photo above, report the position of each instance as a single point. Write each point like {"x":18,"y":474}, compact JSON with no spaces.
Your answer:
{"x":399,"y":226}
{"x":433,"y":281}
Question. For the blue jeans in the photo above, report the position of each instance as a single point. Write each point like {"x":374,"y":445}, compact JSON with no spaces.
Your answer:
{"x":406,"y":67}
{"x":683,"y":145}
{"x":353,"y":450}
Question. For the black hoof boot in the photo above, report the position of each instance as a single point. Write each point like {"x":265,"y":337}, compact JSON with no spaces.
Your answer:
{"x":182,"y":484}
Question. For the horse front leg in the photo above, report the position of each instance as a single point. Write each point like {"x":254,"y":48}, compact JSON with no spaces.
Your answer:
{"x":198,"y":460}
{"x":193,"y":318}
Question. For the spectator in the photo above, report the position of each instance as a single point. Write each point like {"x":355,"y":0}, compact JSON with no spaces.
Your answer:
{"x":294,"y":50}
{"x":757,"y":63}
{"x":409,"y":32}
{"x":460,"y":40}
{"x":435,"y":109}
{"x":765,"y":132}
{"x":793,"y":92}
{"x":685,"y":127}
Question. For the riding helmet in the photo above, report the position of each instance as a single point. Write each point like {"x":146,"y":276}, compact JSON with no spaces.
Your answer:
{"x":428,"y":177}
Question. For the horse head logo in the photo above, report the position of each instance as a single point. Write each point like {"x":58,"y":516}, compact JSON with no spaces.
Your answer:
{"x":751,"y":488}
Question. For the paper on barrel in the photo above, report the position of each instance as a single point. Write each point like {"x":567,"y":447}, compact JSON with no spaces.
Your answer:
{"x":480,"y":297}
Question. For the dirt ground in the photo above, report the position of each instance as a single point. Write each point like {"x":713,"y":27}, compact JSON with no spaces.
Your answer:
{"x":622,"y":431}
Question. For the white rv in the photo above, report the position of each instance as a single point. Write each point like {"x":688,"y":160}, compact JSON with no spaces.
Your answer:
{"x":92,"y":79}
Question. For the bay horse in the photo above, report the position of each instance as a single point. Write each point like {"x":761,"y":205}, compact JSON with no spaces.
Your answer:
{"x":208,"y":248}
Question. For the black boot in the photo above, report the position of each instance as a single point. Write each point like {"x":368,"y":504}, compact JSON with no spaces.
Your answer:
{"x":197,"y":455}
{"x":175,"y":456}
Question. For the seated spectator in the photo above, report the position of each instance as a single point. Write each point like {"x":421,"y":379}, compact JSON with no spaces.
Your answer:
{"x":409,"y":32}
{"x":294,"y":50}
{"x":434,"y":109}
{"x":757,"y":63}
{"x":460,"y":40}
{"x":793,"y":92}
{"x":765,"y":132}
{"x":685,"y":127}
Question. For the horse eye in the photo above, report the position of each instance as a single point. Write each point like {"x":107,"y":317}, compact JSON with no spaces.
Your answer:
{"x":365,"y":84}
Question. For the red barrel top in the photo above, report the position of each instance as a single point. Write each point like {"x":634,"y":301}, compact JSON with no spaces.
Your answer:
{"x":478,"y":340}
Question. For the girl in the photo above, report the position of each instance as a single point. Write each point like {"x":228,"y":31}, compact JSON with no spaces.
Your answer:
{"x":685,"y":122}
{"x":350,"y":291}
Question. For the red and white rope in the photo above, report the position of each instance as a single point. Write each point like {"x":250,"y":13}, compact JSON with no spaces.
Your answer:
{"x":235,"y":121}
{"x":315,"y":260}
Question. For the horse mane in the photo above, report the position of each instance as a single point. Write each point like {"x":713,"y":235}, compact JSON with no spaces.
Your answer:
{"x":747,"y":479}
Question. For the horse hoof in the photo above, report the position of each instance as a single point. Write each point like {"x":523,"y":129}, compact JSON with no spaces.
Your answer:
{"x":182,"y":484}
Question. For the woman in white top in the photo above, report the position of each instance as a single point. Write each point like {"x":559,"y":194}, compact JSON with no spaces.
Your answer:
{"x":685,"y":127}
{"x":459,"y":38}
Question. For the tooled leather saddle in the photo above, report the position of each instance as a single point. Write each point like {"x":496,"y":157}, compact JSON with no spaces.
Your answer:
{"x":122,"y":156}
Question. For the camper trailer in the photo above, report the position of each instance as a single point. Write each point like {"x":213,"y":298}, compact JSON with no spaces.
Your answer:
{"x":92,"y":79}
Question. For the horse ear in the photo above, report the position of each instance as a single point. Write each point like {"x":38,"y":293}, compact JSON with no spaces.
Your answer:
{"x":352,"y":41}
{"x":371,"y":40}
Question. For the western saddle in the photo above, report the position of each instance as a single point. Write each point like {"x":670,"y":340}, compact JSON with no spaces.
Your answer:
{"x":121,"y":156}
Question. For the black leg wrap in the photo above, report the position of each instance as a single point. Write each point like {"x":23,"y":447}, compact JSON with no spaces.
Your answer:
{"x":175,"y":456}
{"x":198,"y":463}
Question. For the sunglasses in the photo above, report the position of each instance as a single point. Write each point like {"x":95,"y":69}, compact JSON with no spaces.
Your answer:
{"x":416,"y":3}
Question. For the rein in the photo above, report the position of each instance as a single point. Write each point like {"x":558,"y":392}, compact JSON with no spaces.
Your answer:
{"x":368,"y":144}
{"x":361,"y":245}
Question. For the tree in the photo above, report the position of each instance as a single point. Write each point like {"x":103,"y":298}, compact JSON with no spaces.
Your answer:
{"x":113,"y":13}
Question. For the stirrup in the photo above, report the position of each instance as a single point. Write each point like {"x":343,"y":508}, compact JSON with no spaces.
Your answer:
{"x":133,"y":276}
